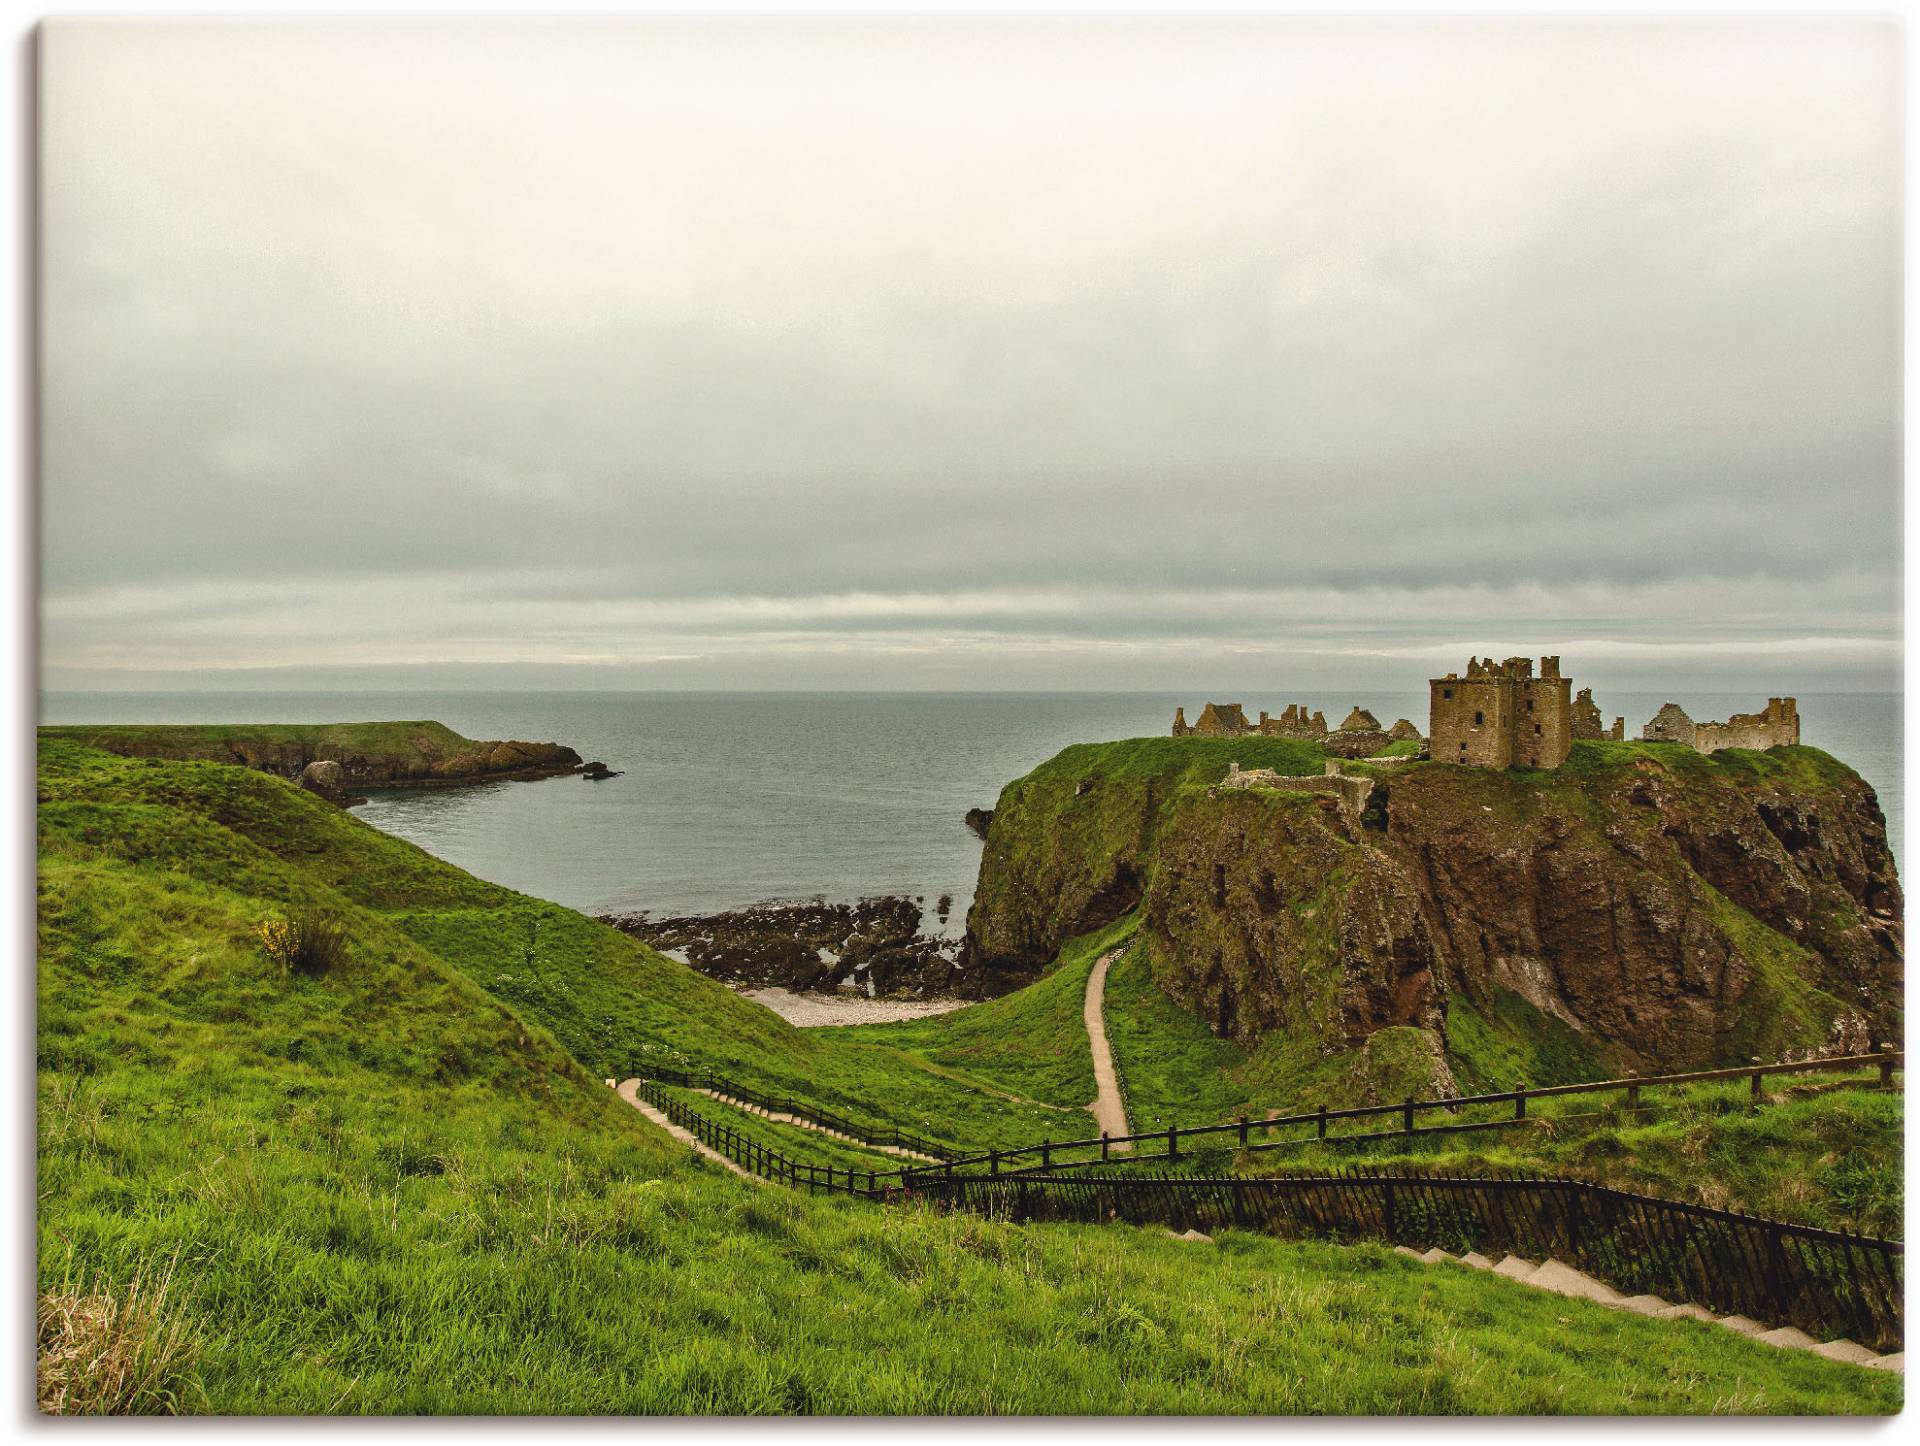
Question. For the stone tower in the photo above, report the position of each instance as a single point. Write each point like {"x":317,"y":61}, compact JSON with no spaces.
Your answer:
{"x":1501,"y":716}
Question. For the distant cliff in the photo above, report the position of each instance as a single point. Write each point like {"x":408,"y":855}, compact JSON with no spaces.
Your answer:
{"x":370,"y":755}
{"x":1645,"y":905}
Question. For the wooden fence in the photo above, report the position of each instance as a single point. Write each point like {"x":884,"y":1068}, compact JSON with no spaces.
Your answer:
{"x":1298,"y":1129}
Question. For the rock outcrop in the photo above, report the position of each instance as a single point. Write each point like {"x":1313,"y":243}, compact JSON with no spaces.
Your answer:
{"x":1665,"y":909}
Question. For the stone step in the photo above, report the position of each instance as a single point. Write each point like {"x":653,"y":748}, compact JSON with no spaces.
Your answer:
{"x":1686,"y":1311}
{"x":1514,"y":1268}
{"x":1644,"y":1304}
{"x":1844,"y":1350}
{"x":1563,"y":1279}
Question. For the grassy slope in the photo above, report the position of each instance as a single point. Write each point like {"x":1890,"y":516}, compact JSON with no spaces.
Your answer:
{"x":215,"y":742}
{"x":384,"y":1190}
{"x":611,"y":1002}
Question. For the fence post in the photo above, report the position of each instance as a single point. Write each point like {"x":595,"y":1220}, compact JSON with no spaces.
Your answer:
{"x":1103,"y":1144}
{"x":993,"y":1162}
{"x":1886,"y":1066}
{"x":1173,"y":1143}
{"x":1757,"y":1078}
{"x":1323,"y":1122}
{"x":1407,"y":1120}
{"x":1046,"y":1154}
{"x":1633,"y":1092}
{"x":1243,"y":1132}
{"x":1519,"y":1104}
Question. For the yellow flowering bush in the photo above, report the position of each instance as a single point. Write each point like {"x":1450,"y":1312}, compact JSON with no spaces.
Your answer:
{"x":310,"y":943}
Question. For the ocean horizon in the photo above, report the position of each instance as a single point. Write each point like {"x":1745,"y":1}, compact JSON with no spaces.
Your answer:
{"x":732,"y":798}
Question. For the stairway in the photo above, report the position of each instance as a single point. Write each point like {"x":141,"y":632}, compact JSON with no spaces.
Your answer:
{"x":1565,"y":1280}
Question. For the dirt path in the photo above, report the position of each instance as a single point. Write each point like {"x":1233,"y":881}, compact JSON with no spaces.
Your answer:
{"x":630,"y":1092}
{"x":782,"y":1118}
{"x":1108,"y":1110}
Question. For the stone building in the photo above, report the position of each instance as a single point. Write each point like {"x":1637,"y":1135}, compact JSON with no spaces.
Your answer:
{"x":1403,"y":730}
{"x":1501,"y":716}
{"x":1217,"y":720}
{"x":1588,"y":722}
{"x":1777,"y":723}
{"x":1229,"y":720}
{"x":1294,"y":722}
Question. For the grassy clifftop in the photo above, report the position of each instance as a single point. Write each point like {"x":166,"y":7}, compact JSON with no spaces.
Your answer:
{"x":368,"y":753}
{"x":399,"y":1185}
{"x":1071,"y":841}
{"x":1655,"y":906}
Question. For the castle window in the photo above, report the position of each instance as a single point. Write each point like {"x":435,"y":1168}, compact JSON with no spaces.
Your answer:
{"x":1446,"y":692}
{"x":1479,"y":718}
{"x":1529,"y":705}
{"x":1536,"y":730}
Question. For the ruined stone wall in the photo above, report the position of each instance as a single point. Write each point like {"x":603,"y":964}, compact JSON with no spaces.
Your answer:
{"x":1778,"y":723}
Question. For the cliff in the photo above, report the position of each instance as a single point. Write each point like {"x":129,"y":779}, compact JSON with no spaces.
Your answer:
{"x":370,"y":755}
{"x":1642,"y":907}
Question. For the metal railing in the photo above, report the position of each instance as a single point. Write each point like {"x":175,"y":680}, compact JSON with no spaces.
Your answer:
{"x":886,"y":1135}
{"x":1824,"y":1281}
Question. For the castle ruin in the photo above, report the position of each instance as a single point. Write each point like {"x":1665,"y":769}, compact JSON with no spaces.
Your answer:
{"x":1229,"y":720}
{"x":1501,"y":716}
{"x":1588,"y":724}
{"x":1777,"y":723}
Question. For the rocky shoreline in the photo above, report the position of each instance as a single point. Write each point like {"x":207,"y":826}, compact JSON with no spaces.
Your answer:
{"x":871,"y":948}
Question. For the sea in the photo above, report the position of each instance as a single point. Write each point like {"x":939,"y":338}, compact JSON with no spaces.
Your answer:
{"x":730,"y":799}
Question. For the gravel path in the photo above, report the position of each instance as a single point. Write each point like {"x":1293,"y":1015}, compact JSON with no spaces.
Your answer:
{"x":810,"y":1011}
{"x":1108,"y":1110}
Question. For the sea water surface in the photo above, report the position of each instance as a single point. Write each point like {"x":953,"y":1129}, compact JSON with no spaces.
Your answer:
{"x":728,"y":799}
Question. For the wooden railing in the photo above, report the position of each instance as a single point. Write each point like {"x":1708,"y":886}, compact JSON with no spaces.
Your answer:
{"x":1253,"y":1135}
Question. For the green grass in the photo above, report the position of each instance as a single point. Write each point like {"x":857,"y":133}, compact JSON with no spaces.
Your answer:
{"x":393,"y":1189}
{"x":220,"y":742}
{"x":612,"y":1003}
{"x":1821,"y":1156}
{"x":1782,"y":1011}
{"x":1515,"y":1046}
{"x":1032,"y":1042}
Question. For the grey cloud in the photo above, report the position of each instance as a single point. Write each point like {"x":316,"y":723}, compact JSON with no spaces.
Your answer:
{"x":569,"y":320}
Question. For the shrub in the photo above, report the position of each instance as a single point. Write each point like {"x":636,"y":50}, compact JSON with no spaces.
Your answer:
{"x":311,"y":943}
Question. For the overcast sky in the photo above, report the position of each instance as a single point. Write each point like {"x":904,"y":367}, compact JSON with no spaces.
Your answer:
{"x":970,"y":357}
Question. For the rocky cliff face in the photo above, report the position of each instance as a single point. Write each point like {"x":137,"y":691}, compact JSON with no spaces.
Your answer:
{"x":1671,"y":910}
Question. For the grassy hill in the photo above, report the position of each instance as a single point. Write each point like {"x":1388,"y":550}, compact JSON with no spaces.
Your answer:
{"x":370,"y":754}
{"x":399,"y":1185}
